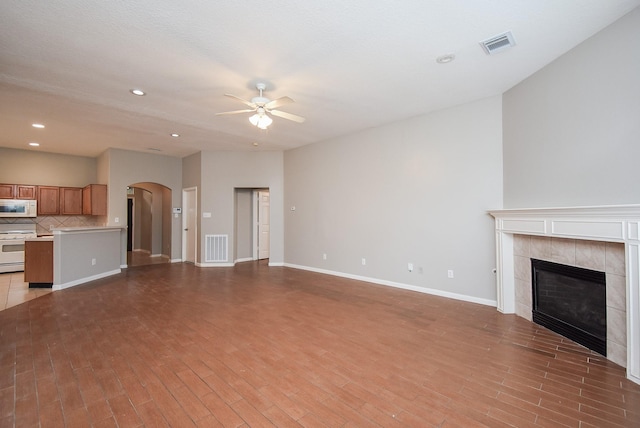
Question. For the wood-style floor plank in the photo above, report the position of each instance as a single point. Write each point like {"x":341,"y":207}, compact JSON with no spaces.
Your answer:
{"x":252,"y":346}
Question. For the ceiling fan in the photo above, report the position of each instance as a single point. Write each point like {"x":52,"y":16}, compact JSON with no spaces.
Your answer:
{"x":262,"y":107}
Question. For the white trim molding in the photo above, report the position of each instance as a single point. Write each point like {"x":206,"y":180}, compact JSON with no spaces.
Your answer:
{"x":424,"y":290}
{"x":57,"y":287}
{"x":609,"y":223}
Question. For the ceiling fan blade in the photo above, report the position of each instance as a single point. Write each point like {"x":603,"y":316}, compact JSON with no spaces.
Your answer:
{"x":279,"y":102}
{"x":289,"y":116}
{"x":235,"y":112}
{"x":249,"y":103}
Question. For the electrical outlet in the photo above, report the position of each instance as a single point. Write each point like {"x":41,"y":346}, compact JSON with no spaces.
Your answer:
{"x":364,"y":261}
{"x":324,"y":256}
{"x":93,"y":262}
{"x":450,"y":273}
{"x":410,"y":267}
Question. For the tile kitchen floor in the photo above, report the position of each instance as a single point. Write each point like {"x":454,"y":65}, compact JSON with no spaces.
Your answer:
{"x":13,"y":290}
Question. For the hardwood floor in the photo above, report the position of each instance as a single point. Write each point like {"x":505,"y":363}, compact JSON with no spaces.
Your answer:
{"x":252,"y":346}
{"x":141,"y":258}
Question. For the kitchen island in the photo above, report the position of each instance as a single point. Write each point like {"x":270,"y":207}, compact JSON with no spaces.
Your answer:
{"x":83,"y":254}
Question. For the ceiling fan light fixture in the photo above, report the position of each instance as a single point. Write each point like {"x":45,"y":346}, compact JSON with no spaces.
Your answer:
{"x":261,"y":120}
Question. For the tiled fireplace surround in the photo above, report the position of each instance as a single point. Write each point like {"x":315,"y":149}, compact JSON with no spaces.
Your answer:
{"x":604,"y":238}
{"x":605,"y":257}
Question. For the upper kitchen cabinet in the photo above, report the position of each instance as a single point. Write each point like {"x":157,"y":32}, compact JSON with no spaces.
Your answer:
{"x":7,"y":191}
{"x":17,"y":191}
{"x":24,"y":191}
{"x":71,"y":200}
{"x":48,"y":200}
{"x":94,"y":199}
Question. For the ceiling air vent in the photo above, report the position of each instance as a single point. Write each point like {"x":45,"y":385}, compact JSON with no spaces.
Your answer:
{"x":498,"y":43}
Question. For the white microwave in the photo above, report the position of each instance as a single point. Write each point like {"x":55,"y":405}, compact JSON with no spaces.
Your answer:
{"x":18,"y":208}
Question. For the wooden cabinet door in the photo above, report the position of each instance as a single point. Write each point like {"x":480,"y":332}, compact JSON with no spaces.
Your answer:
{"x":48,"y":200}
{"x":38,"y":262}
{"x":71,"y":201}
{"x":7,"y":191}
{"x":24,"y":191}
{"x":94,"y":199}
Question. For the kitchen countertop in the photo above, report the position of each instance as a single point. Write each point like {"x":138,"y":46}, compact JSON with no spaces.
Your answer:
{"x":41,"y":238}
{"x":85,"y":228}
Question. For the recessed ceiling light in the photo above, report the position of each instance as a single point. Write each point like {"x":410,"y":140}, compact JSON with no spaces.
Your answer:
{"x":138,"y":92}
{"x":255,"y":144}
{"x":153,"y":149}
{"x":34,"y":144}
{"x":444,"y":59}
{"x":37,"y":125}
{"x":174,"y":135}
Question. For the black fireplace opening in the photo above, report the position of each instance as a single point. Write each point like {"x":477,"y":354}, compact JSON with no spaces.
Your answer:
{"x":571,"y":301}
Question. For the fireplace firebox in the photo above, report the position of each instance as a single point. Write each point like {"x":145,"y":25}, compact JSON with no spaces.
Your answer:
{"x":572,"y":302}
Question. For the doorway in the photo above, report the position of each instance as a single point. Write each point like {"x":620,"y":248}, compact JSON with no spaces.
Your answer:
{"x":252,"y":224}
{"x":148,"y":224}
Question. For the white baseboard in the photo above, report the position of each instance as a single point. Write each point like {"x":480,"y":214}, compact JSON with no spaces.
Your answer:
{"x":276,"y":264}
{"x":176,"y":260}
{"x":215,"y":264}
{"x":246,"y":259}
{"x":56,"y":287}
{"x":424,"y":290}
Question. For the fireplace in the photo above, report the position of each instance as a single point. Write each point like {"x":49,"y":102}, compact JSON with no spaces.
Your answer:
{"x":571,"y":301}
{"x":580,"y":230}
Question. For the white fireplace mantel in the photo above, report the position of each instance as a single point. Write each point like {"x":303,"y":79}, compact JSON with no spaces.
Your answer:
{"x":614,"y":223}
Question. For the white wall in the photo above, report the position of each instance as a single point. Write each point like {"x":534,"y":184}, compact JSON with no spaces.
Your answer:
{"x":128,"y":167}
{"x":415,"y":191}
{"x":192,"y":177}
{"x":572,"y":130}
{"x":46,"y":169}
{"x":222,"y":173}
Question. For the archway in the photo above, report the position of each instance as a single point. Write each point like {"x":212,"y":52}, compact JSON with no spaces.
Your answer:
{"x":149,"y":224}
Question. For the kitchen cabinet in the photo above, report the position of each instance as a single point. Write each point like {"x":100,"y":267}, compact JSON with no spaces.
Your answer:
{"x":48,"y":200}
{"x":71,"y":201}
{"x":17,"y":191}
{"x":38,"y":262}
{"x":94,"y":199}
{"x":24,"y":191}
{"x":7,"y":191}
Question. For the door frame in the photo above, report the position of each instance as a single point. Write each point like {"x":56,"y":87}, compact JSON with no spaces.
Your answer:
{"x":185,"y":214}
{"x":255,"y":230}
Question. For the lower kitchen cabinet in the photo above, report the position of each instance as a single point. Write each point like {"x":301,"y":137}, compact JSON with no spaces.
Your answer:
{"x":38,"y":262}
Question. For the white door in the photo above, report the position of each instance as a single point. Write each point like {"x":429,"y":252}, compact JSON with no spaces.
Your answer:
{"x":263,"y":224}
{"x":189,"y":224}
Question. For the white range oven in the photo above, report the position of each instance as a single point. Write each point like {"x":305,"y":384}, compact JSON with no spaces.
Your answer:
{"x":12,"y":237}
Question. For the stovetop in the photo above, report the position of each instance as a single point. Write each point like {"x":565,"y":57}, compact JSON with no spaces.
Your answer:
{"x":12,"y":231}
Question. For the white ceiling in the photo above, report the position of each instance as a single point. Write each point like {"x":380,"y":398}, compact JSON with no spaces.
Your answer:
{"x":350,"y":65}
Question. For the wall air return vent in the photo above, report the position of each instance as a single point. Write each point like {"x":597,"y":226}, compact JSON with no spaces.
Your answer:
{"x":498,"y":43}
{"x":216,"y":248}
